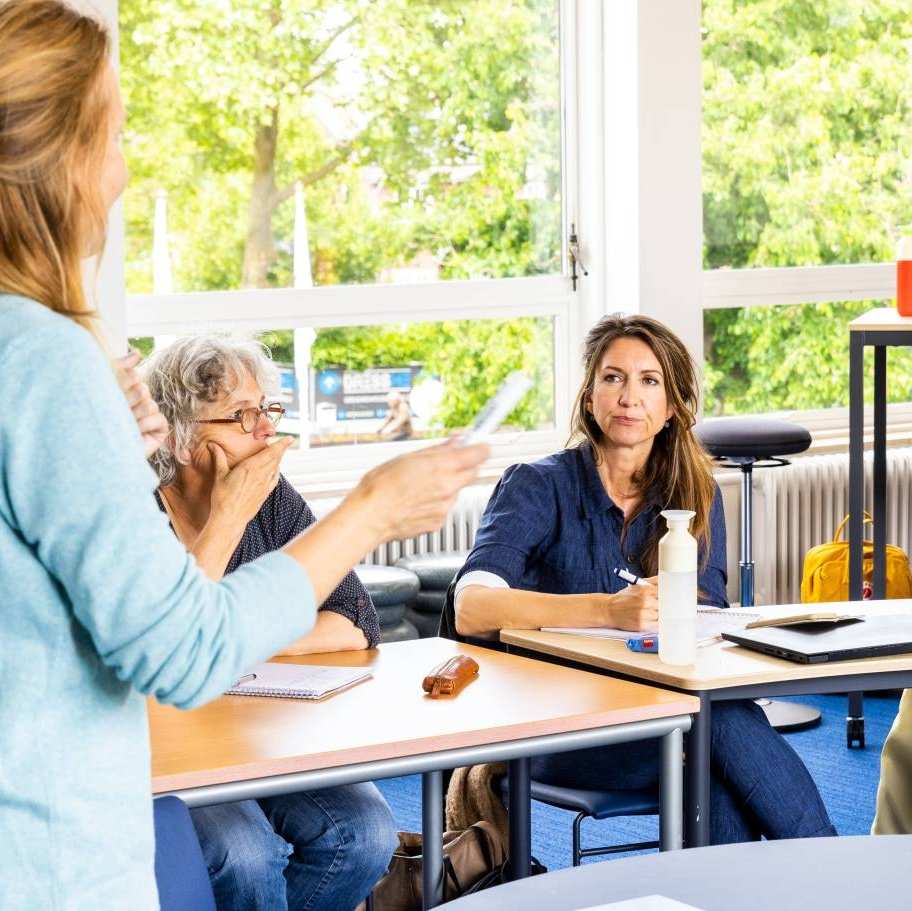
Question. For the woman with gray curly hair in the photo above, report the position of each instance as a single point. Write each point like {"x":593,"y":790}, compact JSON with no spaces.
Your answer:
{"x":228,"y":504}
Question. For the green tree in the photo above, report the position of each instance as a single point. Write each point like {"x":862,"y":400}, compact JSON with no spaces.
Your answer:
{"x":416,"y":128}
{"x":807,"y":135}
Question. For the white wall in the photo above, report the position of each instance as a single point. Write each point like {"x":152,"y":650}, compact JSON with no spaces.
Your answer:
{"x":653,"y":194}
{"x":107,"y":285}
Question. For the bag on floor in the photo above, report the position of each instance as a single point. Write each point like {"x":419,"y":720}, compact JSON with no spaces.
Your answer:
{"x":826,"y":569}
{"x":470,"y":856}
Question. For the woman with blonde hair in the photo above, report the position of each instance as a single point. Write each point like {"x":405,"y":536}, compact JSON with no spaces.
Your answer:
{"x":102,"y":604}
{"x":555,"y":531}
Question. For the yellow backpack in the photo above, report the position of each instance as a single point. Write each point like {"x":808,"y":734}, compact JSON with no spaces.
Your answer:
{"x":825,"y":576}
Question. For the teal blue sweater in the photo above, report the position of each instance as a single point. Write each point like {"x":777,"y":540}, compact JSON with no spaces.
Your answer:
{"x":101,"y":606}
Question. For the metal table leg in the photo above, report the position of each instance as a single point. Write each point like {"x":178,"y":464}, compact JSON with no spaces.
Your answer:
{"x":520,"y":809}
{"x":856,"y":461}
{"x":671,"y":804}
{"x":697,"y":772}
{"x":880,"y":471}
{"x":432,"y":838}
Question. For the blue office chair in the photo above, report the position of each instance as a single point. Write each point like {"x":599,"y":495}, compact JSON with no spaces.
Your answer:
{"x":595,"y":804}
{"x":180,"y":871}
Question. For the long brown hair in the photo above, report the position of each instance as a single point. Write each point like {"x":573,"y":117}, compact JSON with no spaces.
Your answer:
{"x":54,"y":123}
{"x":678,"y":468}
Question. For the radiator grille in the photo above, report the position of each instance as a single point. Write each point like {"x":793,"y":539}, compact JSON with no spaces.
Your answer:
{"x":457,"y":533}
{"x":807,"y":500}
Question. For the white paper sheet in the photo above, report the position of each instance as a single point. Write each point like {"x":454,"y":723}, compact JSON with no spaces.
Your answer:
{"x":711,"y":623}
{"x":646,"y":903}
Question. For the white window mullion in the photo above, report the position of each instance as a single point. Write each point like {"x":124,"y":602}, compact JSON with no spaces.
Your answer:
{"x":654,"y":89}
{"x":347,"y":305}
{"x":724,"y":288}
{"x":105,"y":282}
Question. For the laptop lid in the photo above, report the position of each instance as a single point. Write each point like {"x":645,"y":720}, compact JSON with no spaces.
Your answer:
{"x":811,"y":644}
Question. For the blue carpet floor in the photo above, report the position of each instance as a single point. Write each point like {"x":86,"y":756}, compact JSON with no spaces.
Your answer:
{"x":847,"y":780}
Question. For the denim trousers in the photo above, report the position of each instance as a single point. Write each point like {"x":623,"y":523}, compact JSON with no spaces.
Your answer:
{"x":760,"y":787}
{"x":312,"y":851}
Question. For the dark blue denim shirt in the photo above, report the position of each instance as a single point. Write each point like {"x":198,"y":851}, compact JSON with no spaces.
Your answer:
{"x":551,"y":527}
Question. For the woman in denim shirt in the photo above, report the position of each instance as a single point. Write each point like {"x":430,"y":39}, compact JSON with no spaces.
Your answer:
{"x":555,"y":530}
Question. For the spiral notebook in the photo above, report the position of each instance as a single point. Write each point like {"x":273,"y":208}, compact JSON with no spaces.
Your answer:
{"x":297,"y":681}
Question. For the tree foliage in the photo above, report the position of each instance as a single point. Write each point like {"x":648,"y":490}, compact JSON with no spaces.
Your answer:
{"x":419,"y":130}
{"x":429,"y":131}
{"x":807,"y":135}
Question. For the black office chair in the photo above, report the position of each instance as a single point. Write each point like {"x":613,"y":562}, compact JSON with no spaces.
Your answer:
{"x":595,"y":804}
{"x":746,"y":444}
{"x":435,"y":572}
{"x":391,"y":588}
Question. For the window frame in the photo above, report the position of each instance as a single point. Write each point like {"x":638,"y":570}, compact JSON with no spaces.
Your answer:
{"x":334,"y":468}
{"x":725,"y":288}
{"x":631,"y":89}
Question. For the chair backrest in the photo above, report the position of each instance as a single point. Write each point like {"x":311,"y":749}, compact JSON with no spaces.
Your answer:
{"x":180,"y":871}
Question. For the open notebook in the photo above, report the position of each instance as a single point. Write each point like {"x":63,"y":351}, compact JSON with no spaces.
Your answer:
{"x":297,"y":681}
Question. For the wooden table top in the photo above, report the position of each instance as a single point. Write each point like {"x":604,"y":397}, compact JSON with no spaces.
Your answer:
{"x":240,"y":738}
{"x":722,"y":664}
{"x":881,"y":319}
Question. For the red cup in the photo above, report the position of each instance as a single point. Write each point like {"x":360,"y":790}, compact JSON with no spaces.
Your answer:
{"x":904,"y":287}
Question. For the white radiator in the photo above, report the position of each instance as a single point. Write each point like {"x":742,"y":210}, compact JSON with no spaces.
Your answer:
{"x":457,"y":533}
{"x":800,"y":506}
{"x":794,"y":508}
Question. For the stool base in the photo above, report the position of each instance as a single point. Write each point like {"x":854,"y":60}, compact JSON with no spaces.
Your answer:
{"x":789,"y":716}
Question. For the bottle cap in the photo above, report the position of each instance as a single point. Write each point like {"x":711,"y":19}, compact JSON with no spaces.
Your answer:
{"x":677,"y":516}
{"x":904,"y":247}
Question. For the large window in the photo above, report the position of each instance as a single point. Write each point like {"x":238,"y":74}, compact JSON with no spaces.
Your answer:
{"x":807,"y":162}
{"x":384,"y":149}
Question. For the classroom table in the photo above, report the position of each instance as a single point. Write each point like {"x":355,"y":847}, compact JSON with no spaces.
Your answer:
{"x":242,"y":747}
{"x":724,"y":671}
{"x":838,"y":874}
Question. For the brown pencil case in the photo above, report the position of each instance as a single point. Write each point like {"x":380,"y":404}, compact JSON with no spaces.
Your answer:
{"x":449,"y":678}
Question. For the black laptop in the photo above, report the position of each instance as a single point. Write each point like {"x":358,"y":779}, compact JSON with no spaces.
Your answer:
{"x":813,"y":643}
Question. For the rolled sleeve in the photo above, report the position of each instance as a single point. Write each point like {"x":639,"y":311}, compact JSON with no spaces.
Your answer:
{"x":518,"y":518}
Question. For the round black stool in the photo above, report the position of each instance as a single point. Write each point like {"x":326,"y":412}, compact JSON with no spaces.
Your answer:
{"x":746,"y":444}
{"x":435,"y":572}
{"x":391,"y":588}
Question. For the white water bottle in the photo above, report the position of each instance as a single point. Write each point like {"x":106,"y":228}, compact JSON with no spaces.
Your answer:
{"x":678,"y":590}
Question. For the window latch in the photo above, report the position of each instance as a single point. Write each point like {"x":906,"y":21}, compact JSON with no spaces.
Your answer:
{"x":574,"y":250}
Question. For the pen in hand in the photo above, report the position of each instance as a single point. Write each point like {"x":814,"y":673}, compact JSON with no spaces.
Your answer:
{"x":629,"y":577}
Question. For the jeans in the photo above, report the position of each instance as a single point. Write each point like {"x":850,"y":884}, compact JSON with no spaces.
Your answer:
{"x":759,"y":784}
{"x":318,"y":850}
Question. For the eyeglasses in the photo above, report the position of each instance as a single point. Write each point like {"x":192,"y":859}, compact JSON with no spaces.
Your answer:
{"x":249,"y":417}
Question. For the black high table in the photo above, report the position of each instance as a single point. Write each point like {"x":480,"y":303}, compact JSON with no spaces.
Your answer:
{"x":879,"y":329}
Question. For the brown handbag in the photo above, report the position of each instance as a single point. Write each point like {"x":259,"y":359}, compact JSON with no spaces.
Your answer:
{"x":469,"y":856}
